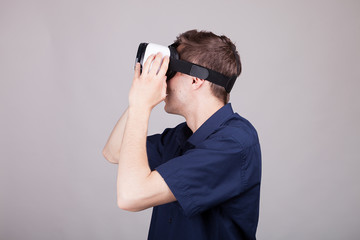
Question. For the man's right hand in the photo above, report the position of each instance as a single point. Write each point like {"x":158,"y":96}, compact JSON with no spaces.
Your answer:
{"x":149,"y":88}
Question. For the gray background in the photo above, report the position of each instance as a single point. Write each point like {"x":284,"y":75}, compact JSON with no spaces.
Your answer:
{"x":65,"y":72}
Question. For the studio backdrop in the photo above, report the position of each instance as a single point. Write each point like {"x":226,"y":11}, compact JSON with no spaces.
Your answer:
{"x":65,"y":71}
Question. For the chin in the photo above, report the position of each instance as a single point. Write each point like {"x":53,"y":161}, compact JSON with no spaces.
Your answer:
{"x":168,"y":109}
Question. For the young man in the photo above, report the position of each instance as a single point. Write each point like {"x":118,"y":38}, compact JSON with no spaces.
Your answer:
{"x":203,"y":176}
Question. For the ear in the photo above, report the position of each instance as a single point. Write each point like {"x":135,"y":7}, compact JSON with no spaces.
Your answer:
{"x":197,"y":83}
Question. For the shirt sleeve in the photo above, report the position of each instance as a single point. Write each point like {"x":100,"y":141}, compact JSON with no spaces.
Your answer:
{"x":154,"y":148}
{"x":207,"y":175}
{"x":158,"y":144}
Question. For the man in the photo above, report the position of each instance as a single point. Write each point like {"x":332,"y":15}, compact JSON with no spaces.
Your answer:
{"x":203,"y":176}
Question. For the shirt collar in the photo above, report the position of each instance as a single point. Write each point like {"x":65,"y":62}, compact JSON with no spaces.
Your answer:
{"x":211,"y":124}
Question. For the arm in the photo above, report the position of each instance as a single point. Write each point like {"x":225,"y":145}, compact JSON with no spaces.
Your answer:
{"x":138,"y":187}
{"x":111,"y":150}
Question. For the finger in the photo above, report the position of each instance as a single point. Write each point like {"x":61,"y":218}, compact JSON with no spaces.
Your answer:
{"x":137,"y":70}
{"x":156,"y":63}
{"x":164,"y":66}
{"x":164,"y":88}
{"x":147,"y":63}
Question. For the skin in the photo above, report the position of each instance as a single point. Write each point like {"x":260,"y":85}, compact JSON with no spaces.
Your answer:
{"x":138,"y":187}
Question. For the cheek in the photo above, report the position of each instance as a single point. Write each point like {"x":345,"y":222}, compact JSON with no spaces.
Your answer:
{"x":169,"y":83}
{"x":176,"y":87}
{"x":171,"y":86}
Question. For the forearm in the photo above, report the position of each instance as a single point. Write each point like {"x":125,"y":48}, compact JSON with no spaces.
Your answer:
{"x":133,"y":169}
{"x":112,"y":147}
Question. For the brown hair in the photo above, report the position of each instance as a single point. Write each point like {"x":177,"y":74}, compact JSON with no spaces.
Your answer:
{"x":215,"y":52}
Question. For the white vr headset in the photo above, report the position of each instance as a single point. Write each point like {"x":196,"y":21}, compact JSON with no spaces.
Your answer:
{"x":177,"y":65}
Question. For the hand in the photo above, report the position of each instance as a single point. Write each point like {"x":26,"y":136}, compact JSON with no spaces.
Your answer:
{"x":149,"y":88}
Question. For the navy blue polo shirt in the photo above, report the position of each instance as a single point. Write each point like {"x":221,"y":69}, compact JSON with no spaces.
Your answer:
{"x":214,"y":174}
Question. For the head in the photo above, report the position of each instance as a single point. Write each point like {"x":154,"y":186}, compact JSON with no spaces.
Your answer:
{"x":211,"y":51}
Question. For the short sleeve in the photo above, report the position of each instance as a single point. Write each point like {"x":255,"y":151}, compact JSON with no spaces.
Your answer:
{"x":162,"y":147}
{"x":154,"y":148}
{"x":207,"y":175}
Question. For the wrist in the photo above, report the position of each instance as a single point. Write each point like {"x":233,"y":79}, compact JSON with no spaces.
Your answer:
{"x":139,"y":111}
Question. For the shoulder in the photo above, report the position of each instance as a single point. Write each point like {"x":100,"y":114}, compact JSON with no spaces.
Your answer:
{"x":238,"y":130}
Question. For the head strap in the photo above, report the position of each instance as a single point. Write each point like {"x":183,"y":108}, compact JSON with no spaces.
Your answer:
{"x":201,"y":72}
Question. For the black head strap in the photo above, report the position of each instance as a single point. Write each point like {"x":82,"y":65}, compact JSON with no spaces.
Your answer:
{"x":198,"y":71}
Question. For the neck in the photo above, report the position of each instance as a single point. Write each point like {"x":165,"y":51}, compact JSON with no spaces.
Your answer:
{"x":200,"y":113}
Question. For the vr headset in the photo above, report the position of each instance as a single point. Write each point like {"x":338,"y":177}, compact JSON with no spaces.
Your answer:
{"x":177,"y":65}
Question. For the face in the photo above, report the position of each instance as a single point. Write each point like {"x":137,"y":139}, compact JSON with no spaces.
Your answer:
{"x":178,"y":89}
